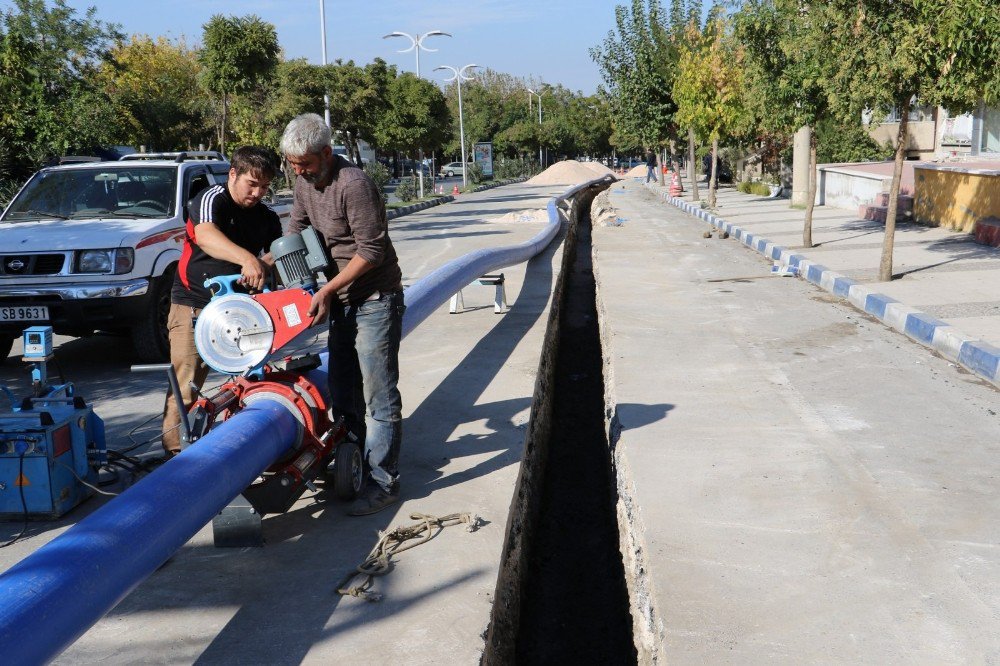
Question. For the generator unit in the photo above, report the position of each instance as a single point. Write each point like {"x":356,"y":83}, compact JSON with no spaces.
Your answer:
{"x":51,"y":444}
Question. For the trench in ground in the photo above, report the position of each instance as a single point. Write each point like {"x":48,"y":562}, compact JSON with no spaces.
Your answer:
{"x":575,"y":603}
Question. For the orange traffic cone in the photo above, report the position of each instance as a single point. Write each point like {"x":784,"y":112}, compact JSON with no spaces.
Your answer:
{"x":454,"y":191}
{"x":676,"y":189}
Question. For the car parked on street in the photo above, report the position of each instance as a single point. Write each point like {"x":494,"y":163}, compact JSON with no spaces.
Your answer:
{"x":94,"y":246}
{"x":452,"y":169}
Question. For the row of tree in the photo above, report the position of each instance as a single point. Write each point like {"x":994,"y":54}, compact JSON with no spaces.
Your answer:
{"x":69,"y":82}
{"x":753,"y":76}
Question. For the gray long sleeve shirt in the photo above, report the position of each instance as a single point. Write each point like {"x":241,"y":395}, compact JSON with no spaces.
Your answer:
{"x":350,"y":215}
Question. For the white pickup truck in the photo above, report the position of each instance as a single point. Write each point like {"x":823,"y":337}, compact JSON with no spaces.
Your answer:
{"x":93,"y":246}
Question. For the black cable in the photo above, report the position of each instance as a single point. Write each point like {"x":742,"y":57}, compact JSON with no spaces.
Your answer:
{"x":24,"y":504}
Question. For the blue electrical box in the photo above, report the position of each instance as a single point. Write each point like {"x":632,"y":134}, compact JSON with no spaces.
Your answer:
{"x":37,"y":342}
{"x":49,"y":446}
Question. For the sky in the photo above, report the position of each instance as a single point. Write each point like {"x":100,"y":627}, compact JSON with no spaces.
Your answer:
{"x":547,"y":40}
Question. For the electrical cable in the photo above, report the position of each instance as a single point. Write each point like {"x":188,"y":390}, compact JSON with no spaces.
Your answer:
{"x":84,"y":482}
{"x":24,"y":504}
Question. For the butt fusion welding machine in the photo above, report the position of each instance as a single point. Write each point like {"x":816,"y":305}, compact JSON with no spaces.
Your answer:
{"x":51,"y":443}
{"x":242,"y":335}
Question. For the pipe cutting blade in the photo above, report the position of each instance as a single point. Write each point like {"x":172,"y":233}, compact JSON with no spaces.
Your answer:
{"x":233,"y":334}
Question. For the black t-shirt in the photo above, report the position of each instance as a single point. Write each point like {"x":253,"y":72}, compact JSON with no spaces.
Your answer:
{"x":253,"y":229}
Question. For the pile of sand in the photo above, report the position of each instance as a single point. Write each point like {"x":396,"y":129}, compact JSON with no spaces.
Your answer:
{"x":598,"y":168}
{"x":568,"y":172}
{"x":637,"y":172}
{"x":539,"y":216}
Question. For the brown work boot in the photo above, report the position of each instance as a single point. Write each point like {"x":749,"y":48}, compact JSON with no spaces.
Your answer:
{"x":373,"y":499}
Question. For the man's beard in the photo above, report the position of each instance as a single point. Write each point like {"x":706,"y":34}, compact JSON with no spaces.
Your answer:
{"x":314,"y":178}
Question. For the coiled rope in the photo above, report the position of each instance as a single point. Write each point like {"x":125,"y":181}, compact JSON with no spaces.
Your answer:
{"x":391,"y":543}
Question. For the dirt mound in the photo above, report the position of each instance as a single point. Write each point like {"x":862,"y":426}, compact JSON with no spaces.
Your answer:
{"x":568,"y":172}
{"x":539,"y":216}
{"x":598,"y":168}
{"x":637,"y":172}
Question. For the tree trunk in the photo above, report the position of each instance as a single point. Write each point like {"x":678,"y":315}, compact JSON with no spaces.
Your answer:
{"x":885,"y":265}
{"x":713,"y":185}
{"x":222,"y":135}
{"x":807,"y":227}
{"x":692,"y":167}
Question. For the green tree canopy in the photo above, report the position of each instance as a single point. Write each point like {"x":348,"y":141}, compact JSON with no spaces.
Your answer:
{"x":239,"y":55}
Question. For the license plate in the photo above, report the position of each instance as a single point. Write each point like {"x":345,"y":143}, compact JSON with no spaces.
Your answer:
{"x":24,"y":313}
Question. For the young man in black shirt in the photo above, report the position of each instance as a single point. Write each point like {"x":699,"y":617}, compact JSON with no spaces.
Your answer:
{"x":229,"y":231}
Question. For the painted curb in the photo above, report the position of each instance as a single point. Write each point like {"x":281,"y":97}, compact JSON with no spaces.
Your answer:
{"x":978,"y":357}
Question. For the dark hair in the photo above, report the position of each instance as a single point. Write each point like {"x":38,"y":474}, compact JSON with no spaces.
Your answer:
{"x":260,"y":162}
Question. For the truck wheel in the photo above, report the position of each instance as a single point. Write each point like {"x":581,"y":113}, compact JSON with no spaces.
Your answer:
{"x":348,"y":471}
{"x":149,"y":337}
{"x":6,"y":342}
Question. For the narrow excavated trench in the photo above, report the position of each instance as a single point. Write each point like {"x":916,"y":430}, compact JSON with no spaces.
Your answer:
{"x":574,"y":605}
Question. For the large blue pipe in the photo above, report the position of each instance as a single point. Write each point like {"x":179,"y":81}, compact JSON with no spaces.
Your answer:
{"x":54,"y":595}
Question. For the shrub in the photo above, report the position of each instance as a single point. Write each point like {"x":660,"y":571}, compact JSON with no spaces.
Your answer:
{"x":475,"y":173}
{"x":517,"y":167}
{"x":406,"y":190}
{"x":379,"y":173}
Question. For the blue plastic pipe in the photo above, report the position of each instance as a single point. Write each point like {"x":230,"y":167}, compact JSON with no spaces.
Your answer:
{"x":54,"y":595}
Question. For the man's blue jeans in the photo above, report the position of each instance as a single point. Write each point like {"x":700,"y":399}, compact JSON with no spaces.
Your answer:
{"x":650,"y":173}
{"x":364,"y":371}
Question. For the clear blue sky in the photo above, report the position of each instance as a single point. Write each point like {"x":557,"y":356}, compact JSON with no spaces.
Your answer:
{"x":545,"y":39}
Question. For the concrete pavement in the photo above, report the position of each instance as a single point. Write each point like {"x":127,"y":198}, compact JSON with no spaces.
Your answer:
{"x":944,"y":294}
{"x":797,"y":484}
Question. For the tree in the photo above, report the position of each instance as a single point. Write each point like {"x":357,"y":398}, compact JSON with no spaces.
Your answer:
{"x":239,"y":54}
{"x":417,"y":116}
{"x":153,"y":84}
{"x":49,"y":102}
{"x":637,"y":66}
{"x":783,"y":88}
{"x":886,"y":55}
{"x":708,"y":89}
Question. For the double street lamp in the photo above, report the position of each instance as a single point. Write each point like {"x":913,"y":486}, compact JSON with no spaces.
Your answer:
{"x":530,"y":93}
{"x":458,"y":75}
{"x":417,"y":43}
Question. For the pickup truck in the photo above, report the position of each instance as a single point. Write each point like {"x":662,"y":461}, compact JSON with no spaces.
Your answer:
{"x":93,"y":246}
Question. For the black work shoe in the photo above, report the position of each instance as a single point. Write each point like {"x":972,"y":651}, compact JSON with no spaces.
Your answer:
{"x":372,"y":500}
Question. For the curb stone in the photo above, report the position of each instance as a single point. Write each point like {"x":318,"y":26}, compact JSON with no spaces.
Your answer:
{"x":412,"y":208}
{"x":978,"y":357}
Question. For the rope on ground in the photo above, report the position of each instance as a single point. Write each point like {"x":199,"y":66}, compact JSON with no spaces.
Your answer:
{"x":391,"y":543}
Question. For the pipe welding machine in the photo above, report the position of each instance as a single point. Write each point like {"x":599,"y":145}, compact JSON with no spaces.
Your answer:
{"x":243,"y":335}
{"x":51,"y":442}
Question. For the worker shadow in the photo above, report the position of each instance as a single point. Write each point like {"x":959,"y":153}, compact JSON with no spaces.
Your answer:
{"x":493,"y":426}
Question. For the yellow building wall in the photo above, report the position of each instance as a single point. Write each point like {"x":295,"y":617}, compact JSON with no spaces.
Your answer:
{"x":955,"y":198}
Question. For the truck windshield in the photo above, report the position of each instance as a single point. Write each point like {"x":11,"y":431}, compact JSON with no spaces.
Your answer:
{"x":112,"y":191}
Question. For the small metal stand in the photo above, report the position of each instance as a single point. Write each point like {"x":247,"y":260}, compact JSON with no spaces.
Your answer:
{"x":238,"y":525}
{"x":499,"y":298}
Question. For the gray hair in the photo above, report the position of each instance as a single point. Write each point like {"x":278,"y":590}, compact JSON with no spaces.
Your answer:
{"x":306,"y":134}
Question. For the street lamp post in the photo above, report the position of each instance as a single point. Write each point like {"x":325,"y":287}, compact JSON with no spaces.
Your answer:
{"x":532,"y":92}
{"x":417,"y":43}
{"x":322,"y":30}
{"x":458,"y":75}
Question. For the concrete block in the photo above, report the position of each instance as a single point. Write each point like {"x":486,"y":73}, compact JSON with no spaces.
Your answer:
{"x":842,"y":286}
{"x":981,"y":358}
{"x":921,"y":327}
{"x":948,"y":341}
{"x":858,"y":295}
{"x":896,"y":314}
{"x":875,"y":304}
{"x":987,"y":231}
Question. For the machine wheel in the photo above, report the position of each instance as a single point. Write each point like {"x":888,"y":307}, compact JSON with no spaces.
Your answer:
{"x":451,"y":174}
{"x":149,"y":337}
{"x":348,"y":471}
{"x":6,"y":342}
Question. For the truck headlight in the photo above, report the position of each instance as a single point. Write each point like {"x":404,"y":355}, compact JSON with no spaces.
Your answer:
{"x":116,"y":261}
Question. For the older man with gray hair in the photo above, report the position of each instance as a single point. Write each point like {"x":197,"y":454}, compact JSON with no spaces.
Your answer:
{"x":363,"y":298}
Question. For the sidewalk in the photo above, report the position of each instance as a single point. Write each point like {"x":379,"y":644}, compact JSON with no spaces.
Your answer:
{"x":945,"y":292}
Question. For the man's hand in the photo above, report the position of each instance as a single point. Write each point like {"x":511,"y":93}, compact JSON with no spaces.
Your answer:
{"x":320,"y":305}
{"x":254,"y":273}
